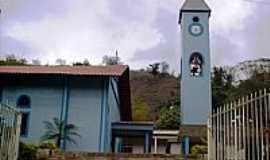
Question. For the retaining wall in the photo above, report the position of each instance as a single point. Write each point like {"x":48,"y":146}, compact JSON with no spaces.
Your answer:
{"x":111,"y":156}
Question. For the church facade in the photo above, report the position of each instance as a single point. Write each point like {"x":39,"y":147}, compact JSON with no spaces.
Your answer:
{"x":91,"y":97}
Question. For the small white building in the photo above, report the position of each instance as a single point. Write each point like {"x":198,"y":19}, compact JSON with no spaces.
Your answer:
{"x":162,"y":142}
{"x":166,"y":141}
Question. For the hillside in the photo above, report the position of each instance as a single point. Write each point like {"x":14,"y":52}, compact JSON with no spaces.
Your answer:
{"x":245,"y":70}
{"x":150,"y":93}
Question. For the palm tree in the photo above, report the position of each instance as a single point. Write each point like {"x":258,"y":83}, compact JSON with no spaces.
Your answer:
{"x":58,"y":131}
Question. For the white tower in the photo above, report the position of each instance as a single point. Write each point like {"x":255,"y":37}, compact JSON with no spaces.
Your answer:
{"x":196,"y":101}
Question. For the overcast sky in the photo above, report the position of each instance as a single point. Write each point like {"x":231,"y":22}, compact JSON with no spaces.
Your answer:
{"x":143,"y":31}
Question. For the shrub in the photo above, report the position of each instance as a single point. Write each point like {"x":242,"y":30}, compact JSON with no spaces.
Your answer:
{"x":27,"y":151}
{"x":48,"y":145}
{"x":199,"y":149}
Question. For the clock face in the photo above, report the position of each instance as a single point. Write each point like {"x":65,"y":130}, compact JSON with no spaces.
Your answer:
{"x":195,"y":29}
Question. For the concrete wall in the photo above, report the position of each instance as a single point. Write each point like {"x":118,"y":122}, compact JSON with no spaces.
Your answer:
{"x":195,"y":91}
{"x":45,"y":105}
{"x":110,"y":156}
{"x":84,"y":110}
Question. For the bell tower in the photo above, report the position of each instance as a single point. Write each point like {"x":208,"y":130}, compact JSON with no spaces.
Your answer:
{"x":196,"y":100}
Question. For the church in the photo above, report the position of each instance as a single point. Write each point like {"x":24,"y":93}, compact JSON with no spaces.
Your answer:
{"x":97,"y":98}
{"x":91,"y":97}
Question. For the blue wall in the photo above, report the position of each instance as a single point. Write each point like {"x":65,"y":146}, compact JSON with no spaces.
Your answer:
{"x":84,"y":111}
{"x":45,"y":105}
{"x":86,"y":99}
{"x":113,"y":110}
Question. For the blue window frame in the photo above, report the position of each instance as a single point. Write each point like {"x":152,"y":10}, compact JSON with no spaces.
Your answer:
{"x":24,"y":105}
{"x":1,"y":94}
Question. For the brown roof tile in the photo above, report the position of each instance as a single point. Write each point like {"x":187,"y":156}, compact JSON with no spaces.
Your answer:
{"x":114,"y":70}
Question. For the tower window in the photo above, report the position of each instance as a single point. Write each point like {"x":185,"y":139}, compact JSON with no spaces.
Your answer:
{"x":196,"y":19}
{"x":196,"y":62}
{"x":24,"y":105}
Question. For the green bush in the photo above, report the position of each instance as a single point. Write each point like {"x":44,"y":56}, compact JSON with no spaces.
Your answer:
{"x":48,"y":145}
{"x":199,"y":149}
{"x":27,"y":151}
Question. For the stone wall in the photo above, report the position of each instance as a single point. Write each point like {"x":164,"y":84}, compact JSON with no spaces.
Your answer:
{"x":111,"y":156}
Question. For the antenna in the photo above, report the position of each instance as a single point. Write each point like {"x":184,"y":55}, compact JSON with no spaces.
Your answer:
{"x":116,"y":53}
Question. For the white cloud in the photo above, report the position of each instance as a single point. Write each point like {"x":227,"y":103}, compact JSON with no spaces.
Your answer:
{"x":229,"y":15}
{"x":81,"y":33}
{"x":78,"y":29}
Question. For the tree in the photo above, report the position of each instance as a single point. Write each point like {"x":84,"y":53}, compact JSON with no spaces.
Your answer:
{"x":36,"y":62}
{"x":13,"y":60}
{"x":164,"y":67}
{"x":154,"y":68}
{"x":256,"y":82}
{"x":84,"y":63}
{"x":111,"y":60}
{"x":221,"y":86}
{"x":58,"y":131}
{"x":140,"y":110}
{"x":169,"y":118}
{"x":60,"y":62}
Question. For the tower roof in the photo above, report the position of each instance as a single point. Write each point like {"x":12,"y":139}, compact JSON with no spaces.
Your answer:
{"x":194,"y":6}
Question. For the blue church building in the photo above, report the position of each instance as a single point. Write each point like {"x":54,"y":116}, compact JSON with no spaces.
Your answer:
{"x":94,"y":98}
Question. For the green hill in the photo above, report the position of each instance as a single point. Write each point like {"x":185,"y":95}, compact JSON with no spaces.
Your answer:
{"x":152,"y":92}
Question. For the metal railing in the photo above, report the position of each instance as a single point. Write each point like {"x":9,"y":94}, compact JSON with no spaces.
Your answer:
{"x":10,"y":121}
{"x":239,"y":130}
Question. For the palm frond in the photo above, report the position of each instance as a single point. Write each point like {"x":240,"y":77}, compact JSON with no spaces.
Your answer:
{"x":58,"y":130}
{"x":73,"y":134}
{"x":50,"y":126}
{"x":71,"y":140}
{"x":71,"y":127}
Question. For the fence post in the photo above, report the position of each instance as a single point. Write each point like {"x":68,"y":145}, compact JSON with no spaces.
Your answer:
{"x":209,"y":138}
{"x":248,"y":127}
{"x":238,"y":123}
{"x":218,"y":133}
{"x":257,"y":127}
{"x":235,"y":131}
{"x":252,"y":126}
{"x":261,"y":126}
{"x":240,"y":129}
{"x":215,"y":135}
{"x":267,"y":114}
{"x":223,"y":131}
{"x":10,"y":120}
{"x":17,"y":138}
{"x":244,"y":126}
{"x":227,"y":132}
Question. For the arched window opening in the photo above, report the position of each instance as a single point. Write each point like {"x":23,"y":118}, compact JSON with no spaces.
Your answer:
{"x":24,"y":105}
{"x":196,"y":64}
{"x":23,"y":102}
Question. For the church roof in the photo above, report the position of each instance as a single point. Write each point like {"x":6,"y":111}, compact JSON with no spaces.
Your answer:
{"x":113,"y":70}
{"x":121,"y":71}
